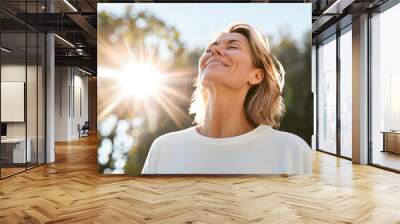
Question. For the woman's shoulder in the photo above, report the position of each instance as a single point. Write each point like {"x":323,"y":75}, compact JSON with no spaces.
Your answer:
{"x":174,"y":135}
{"x":290,"y":140}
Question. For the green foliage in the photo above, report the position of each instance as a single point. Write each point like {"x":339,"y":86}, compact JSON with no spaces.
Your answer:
{"x":141,"y":29}
{"x":297,"y":93}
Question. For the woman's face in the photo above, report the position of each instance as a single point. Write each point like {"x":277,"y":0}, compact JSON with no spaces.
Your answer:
{"x":227,"y":62}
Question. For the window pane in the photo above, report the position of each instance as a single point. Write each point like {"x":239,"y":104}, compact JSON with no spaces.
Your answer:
{"x":327,"y":96}
{"x":14,"y":150}
{"x":31,"y":87}
{"x":31,"y":97}
{"x":41,"y":98}
{"x":346,"y":94}
{"x":385,"y":86}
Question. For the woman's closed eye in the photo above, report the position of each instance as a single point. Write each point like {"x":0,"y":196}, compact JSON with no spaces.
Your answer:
{"x":229,"y":47}
{"x":233,"y":47}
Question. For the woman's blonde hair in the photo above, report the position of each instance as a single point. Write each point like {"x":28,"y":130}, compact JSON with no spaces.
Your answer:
{"x":264,"y":102}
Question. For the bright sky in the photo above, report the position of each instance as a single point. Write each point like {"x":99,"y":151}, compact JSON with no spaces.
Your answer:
{"x":197,"y":22}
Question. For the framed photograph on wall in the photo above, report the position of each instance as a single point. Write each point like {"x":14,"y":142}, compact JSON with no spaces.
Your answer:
{"x":204,"y":88}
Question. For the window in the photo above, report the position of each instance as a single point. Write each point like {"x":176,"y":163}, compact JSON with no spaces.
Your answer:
{"x":327,"y":95}
{"x":385,"y":89}
{"x":22,"y":77}
{"x":346,"y":93}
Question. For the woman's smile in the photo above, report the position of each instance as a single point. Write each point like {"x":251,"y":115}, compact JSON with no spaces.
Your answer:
{"x":214,"y":61}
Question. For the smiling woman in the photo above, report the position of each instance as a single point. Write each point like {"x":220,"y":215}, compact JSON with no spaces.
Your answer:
{"x":237,"y":103}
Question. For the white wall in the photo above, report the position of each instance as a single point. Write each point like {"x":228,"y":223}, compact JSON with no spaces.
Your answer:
{"x":12,"y":73}
{"x":61,"y":103}
{"x":70,"y":84}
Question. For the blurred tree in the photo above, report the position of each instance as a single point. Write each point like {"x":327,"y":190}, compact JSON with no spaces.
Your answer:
{"x":144,"y":32}
{"x":298,"y":97}
{"x":139,"y":35}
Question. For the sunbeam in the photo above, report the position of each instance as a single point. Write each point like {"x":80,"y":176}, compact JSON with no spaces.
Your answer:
{"x":137,"y":81}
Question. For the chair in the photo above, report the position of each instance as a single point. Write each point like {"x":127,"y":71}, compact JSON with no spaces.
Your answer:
{"x":84,"y":130}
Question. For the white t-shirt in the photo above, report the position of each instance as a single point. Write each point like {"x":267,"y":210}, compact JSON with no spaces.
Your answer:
{"x":263,"y":150}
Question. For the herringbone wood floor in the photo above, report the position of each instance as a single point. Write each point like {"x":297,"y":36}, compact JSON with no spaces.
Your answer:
{"x":71,"y":191}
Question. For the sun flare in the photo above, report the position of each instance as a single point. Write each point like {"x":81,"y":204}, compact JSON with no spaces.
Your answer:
{"x":140,"y":81}
{"x":134,"y":81}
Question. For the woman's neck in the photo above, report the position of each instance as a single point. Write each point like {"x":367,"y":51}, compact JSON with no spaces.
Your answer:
{"x":225,"y":117}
